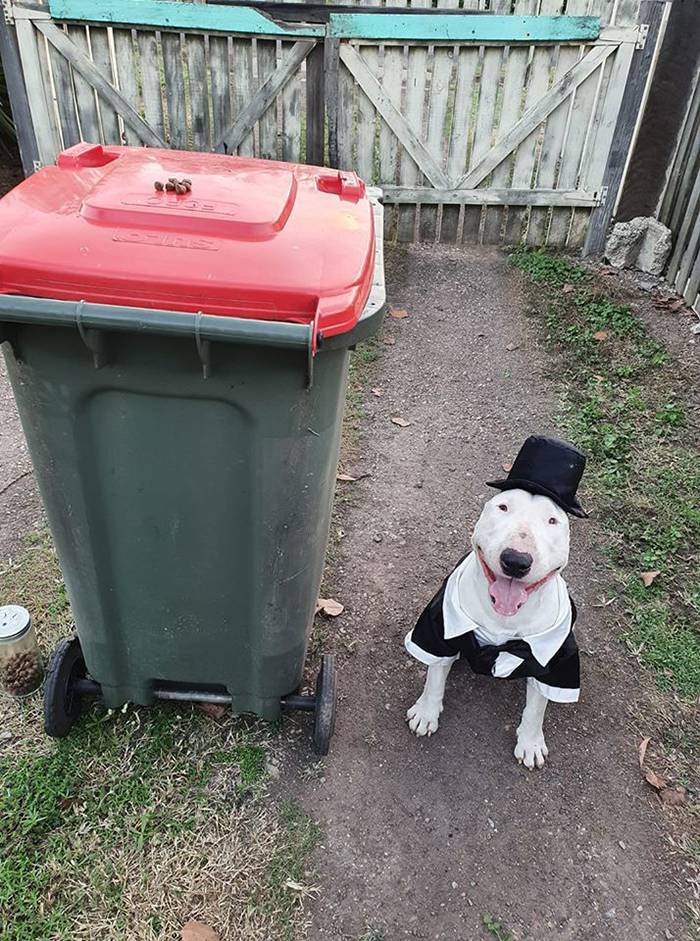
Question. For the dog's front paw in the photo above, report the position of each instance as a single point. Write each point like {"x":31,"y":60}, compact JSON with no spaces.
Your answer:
{"x":423,"y":717}
{"x":531,"y":750}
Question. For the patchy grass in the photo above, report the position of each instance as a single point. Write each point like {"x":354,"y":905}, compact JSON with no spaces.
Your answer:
{"x":141,"y":819}
{"x":623,"y":404}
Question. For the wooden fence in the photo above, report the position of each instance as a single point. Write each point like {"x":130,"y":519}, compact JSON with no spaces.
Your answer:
{"x":491,"y":125}
{"x":680,"y":206}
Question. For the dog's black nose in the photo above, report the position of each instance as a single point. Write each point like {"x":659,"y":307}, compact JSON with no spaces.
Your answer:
{"x":515,"y":564}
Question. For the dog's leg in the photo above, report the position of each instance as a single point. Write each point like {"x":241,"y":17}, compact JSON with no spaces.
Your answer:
{"x":530,"y":747}
{"x":424,"y":715}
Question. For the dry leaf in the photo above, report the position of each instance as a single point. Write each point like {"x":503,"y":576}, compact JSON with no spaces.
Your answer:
{"x":348,"y":477}
{"x":643,"y":745}
{"x":512,"y":346}
{"x":388,"y":341}
{"x":401,"y":422}
{"x":677,"y":305}
{"x":213,"y":709}
{"x":608,"y":270}
{"x":198,"y":931}
{"x":398,"y":314}
{"x":568,"y":288}
{"x":653,"y":778}
{"x":600,"y":335}
{"x":648,"y":577}
{"x":673,"y":796}
{"x":507,"y":467}
{"x":330,"y":607}
{"x":377,"y":391}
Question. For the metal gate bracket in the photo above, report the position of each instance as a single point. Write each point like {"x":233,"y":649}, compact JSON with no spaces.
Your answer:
{"x":8,"y":12}
{"x":643,"y":32}
{"x":603,"y":196}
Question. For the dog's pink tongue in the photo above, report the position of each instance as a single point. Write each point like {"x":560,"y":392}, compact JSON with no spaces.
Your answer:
{"x":508,"y":595}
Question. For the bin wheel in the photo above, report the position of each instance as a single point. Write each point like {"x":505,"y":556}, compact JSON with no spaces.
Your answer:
{"x":324,"y":712}
{"x":61,"y":701}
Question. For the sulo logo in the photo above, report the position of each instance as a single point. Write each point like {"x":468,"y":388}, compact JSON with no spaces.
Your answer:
{"x":166,"y":240}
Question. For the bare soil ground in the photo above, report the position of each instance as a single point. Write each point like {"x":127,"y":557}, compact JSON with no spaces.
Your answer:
{"x":422,"y":838}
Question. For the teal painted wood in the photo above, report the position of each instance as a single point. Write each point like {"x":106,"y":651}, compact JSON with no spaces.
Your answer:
{"x":434,"y":27}
{"x":167,"y":14}
{"x":418,"y":27}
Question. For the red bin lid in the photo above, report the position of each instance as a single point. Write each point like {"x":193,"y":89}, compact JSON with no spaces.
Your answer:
{"x":252,"y":238}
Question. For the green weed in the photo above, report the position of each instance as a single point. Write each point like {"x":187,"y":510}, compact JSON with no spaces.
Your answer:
{"x":495,"y":928}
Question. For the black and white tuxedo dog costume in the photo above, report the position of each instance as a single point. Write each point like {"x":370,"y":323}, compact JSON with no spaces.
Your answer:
{"x":505,"y":607}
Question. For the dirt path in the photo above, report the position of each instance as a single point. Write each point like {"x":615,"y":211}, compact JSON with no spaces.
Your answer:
{"x":423,"y":837}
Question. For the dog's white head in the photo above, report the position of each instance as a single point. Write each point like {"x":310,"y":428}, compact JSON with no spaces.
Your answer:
{"x":521,"y":541}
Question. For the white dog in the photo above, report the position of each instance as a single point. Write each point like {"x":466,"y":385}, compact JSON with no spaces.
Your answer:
{"x":506,"y":607}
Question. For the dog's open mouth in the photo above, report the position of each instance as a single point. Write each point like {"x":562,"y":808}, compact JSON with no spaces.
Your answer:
{"x":509,"y":594}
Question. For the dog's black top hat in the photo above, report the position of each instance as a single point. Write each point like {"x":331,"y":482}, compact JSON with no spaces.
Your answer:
{"x":549,"y":468}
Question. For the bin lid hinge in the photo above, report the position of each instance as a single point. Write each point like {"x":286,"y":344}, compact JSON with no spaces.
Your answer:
{"x":93,"y":339}
{"x":203,"y":347}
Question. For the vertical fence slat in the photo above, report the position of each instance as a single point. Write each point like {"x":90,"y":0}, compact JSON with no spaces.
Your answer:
{"x":580,"y":219}
{"x":291,"y":115}
{"x":692,"y":211}
{"x":551,"y":149}
{"x":366,"y":120}
{"x":392,"y":80}
{"x":437,"y":110}
{"x":175,"y":90}
{"x":65,"y":98}
{"x":242,"y":60}
{"x":346,"y":118}
{"x":197,"y":83}
{"x":84,"y":92}
{"x":483,"y":128}
{"x":126,"y":76}
{"x":458,"y":150}
{"x":515,"y":70}
{"x":150,"y":81}
{"x":267,"y":63}
{"x":416,"y":66}
{"x":102,"y":57}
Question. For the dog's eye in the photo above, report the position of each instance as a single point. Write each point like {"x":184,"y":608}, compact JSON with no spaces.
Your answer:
{"x":503,"y":506}
{"x":553,"y":520}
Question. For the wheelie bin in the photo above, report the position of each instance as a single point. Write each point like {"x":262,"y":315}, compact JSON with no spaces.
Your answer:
{"x":177,"y":329}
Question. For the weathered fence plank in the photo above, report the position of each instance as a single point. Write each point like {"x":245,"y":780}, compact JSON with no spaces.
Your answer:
{"x":126,"y":79}
{"x":175,"y":90}
{"x":84,"y":91}
{"x":65,"y":98}
{"x":102,"y":57}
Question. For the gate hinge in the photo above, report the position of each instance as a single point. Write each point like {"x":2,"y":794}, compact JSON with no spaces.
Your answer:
{"x":37,"y":165}
{"x":643,"y":32}
{"x":603,"y":195}
{"x":8,"y":12}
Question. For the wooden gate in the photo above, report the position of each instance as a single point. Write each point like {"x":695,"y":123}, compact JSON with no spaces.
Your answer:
{"x":480,"y":126}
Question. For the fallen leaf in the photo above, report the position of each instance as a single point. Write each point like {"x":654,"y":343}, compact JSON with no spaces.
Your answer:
{"x":388,"y":341}
{"x":600,"y":335}
{"x":377,"y":391}
{"x":401,"y":422}
{"x":673,"y":796}
{"x":512,"y":346}
{"x":67,"y":803}
{"x":348,"y":477}
{"x":643,"y":745}
{"x":653,"y":778}
{"x":398,"y":314}
{"x":608,"y":270}
{"x":507,"y":467}
{"x":648,"y":577}
{"x":330,"y":607}
{"x":568,"y":288}
{"x":214,"y":710}
{"x":198,"y":931}
{"x":677,"y":305}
